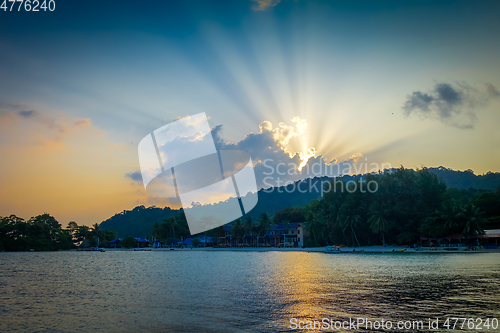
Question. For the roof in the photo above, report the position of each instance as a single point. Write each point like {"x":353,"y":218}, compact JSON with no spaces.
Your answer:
{"x":201,"y":239}
{"x":493,"y":233}
{"x":227,"y":227}
{"x":142,"y":240}
{"x":115,"y":240}
{"x":281,"y":226}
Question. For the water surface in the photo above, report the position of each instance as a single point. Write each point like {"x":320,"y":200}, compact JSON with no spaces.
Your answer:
{"x":224,"y":291}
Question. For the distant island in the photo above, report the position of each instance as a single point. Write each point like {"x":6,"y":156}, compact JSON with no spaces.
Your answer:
{"x":409,"y":204}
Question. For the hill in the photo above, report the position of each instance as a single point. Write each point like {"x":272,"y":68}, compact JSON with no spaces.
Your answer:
{"x":467,"y":179}
{"x":139,"y":221}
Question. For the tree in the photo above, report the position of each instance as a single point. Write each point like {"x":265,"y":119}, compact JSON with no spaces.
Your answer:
{"x":443,"y":221}
{"x":473,"y":221}
{"x":128,"y":242}
{"x":348,"y":219}
{"x":237,"y":230}
{"x":249,"y":225}
{"x":264,"y":224}
{"x":97,"y":233}
{"x":82,"y":233}
{"x":195,"y":242}
{"x":156,"y":232}
{"x":72,"y":227}
{"x":378,"y":222}
{"x":295,"y":214}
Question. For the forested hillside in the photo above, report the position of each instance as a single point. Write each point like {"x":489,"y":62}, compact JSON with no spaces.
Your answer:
{"x":139,"y":221}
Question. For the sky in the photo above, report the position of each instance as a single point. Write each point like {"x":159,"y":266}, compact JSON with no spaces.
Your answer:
{"x":412,"y":83}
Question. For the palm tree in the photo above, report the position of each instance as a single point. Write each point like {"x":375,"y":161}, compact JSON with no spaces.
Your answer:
{"x":449,"y":214}
{"x":474,"y":221}
{"x":330,"y":217}
{"x":237,"y":230}
{"x":348,"y":220}
{"x":248,"y":225}
{"x":97,"y":232}
{"x":352,"y":221}
{"x":313,"y":227}
{"x":264,"y":223}
{"x":156,"y":231}
{"x":378,"y":222}
{"x":169,"y":224}
{"x":444,"y":220}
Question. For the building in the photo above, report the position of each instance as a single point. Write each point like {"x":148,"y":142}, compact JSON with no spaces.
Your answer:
{"x":201,"y":241}
{"x":291,"y":235}
{"x":489,"y":240}
{"x":279,"y":235}
{"x":225,"y":239}
{"x":141,"y":242}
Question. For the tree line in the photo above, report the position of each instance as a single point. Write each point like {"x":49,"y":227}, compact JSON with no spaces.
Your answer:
{"x":406,"y":205}
{"x":45,"y":233}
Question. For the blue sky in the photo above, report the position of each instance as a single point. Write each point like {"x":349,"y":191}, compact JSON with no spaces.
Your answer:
{"x":113,"y":72}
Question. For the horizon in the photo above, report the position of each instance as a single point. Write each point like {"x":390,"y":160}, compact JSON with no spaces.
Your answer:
{"x":179,"y":208}
{"x":299,"y":82}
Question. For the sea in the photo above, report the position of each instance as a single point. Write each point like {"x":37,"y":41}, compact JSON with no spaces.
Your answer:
{"x":239,"y":291}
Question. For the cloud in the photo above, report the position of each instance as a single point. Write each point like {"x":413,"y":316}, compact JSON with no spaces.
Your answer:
{"x":37,"y":127}
{"x":274,"y":163}
{"x":453,"y":105}
{"x":261,"y":5}
{"x":63,"y":165}
{"x":135,"y":176}
{"x":492,"y":91}
{"x":26,"y":114}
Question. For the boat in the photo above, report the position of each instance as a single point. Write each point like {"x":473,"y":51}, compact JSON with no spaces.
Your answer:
{"x":95,"y":249}
{"x":402,"y":250}
{"x":332,"y":249}
{"x":355,"y":251}
{"x":142,"y":249}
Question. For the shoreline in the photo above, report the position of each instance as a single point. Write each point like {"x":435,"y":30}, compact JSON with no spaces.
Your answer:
{"x":373,"y":249}
{"x":366,"y":249}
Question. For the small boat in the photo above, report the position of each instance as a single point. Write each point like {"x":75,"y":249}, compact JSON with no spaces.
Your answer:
{"x":332,"y":249}
{"x":402,"y":250}
{"x":355,"y":251}
{"x":95,"y":249}
{"x":142,"y":249}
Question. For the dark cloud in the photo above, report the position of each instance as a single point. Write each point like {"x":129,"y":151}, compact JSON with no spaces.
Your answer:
{"x":135,"y":176}
{"x":492,"y":91}
{"x":27,"y":114}
{"x":448,"y":94}
{"x":453,"y":105}
{"x":418,"y":100}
